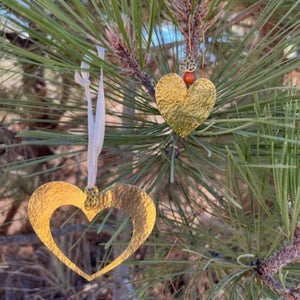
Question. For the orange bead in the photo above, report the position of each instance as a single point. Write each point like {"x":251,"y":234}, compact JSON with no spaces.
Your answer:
{"x":189,"y":77}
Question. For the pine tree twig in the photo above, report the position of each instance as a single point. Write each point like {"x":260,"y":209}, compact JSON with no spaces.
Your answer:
{"x":128,"y":60}
{"x":24,"y":239}
{"x":192,"y":21}
{"x":287,"y":255}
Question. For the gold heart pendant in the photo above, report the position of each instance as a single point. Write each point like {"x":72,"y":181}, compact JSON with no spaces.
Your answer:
{"x":184,"y":109}
{"x":129,"y":199}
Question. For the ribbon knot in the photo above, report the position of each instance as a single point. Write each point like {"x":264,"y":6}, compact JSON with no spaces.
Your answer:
{"x":81,"y":80}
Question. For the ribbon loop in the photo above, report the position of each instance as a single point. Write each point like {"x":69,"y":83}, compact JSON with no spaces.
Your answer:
{"x":96,"y":127}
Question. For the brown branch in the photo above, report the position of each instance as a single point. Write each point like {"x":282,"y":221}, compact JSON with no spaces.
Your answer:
{"x":287,"y":255}
{"x":9,"y":216}
{"x":24,"y":239}
{"x":16,"y":40}
{"x":250,"y":11}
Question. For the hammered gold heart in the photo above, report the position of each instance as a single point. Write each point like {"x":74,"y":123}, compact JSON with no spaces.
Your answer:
{"x":184,"y":109}
{"x":129,"y":199}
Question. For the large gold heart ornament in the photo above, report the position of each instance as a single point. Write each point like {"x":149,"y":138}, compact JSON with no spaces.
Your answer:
{"x":129,"y":199}
{"x":184,"y":109}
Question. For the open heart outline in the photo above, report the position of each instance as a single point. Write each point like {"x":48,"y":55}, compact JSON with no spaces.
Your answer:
{"x":129,"y":199}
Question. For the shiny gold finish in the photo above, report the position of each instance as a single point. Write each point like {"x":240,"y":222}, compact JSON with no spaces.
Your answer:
{"x":129,"y":199}
{"x":184,"y":109}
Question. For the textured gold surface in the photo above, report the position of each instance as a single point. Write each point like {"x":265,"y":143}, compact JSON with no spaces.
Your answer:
{"x":184,"y":109}
{"x":129,"y":199}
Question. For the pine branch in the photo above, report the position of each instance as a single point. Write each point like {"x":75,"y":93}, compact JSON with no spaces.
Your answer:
{"x":128,"y":60}
{"x":287,"y":255}
{"x":192,"y":21}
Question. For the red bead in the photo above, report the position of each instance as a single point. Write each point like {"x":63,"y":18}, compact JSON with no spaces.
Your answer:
{"x":189,"y":77}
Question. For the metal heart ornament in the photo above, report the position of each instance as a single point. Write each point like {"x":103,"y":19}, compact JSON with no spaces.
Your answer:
{"x":129,"y":199}
{"x":184,"y":109}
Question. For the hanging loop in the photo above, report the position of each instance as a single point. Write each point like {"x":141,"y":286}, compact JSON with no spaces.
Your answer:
{"x":96,"y":125}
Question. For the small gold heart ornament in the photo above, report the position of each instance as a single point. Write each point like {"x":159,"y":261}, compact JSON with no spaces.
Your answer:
{"x":184,"y":109}
{"x":129,"y":199}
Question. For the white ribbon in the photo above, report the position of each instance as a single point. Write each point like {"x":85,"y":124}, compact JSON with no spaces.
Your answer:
{"x":96,"y":128}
